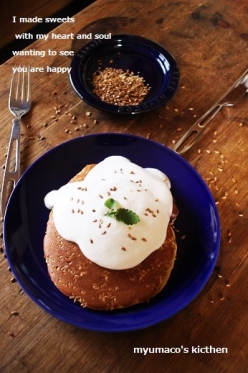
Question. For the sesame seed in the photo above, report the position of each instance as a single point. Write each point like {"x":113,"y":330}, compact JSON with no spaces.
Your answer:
{"x":112,"y":86}
{"x":14,"y":313}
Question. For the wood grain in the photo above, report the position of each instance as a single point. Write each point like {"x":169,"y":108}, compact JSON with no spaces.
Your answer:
{"x":209,"y":41}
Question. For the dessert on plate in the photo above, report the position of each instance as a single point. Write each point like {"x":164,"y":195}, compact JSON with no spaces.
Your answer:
{"x":109,"y":241}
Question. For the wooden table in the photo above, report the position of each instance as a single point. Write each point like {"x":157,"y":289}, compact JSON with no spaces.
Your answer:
{"x":209,"y":40}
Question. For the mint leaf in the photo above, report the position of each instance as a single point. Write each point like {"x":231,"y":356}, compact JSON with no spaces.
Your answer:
{"x":111,"y":204}
{"x":111,"y":213}
{"x":123,"y":215}
{"x":127,"y":216}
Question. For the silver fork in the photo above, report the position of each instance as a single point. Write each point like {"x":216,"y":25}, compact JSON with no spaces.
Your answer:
{"x":231,"y":98}
{"x":19,"y":105}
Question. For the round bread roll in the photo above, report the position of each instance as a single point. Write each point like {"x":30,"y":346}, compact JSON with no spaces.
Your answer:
{"x":100,"y":288}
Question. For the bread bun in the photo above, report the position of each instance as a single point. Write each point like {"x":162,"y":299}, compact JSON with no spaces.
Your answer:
{"x":100,"y":288}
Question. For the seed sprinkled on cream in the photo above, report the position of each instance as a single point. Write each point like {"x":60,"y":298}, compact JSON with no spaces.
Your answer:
{"x":96,"y":227}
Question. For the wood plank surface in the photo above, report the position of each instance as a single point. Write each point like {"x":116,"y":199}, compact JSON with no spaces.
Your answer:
{"x":209,"y":40}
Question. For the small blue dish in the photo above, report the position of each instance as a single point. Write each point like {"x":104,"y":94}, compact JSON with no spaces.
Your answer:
{"x":26,"y":218}
{"x":134,"y":53}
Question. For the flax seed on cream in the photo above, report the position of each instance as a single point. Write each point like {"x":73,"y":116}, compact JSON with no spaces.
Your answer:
{"x":94,"y":232}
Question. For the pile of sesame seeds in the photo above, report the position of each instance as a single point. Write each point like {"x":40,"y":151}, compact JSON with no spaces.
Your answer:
{"x":119,"y":87}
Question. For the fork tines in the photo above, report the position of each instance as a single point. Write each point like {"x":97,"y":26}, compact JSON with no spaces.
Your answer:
{"x":20,"y":88}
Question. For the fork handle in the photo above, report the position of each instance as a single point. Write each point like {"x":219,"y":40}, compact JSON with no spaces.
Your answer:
{"x":11,"y":175}
{"x":195,"y":131}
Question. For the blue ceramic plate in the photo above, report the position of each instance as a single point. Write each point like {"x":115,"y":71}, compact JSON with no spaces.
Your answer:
{"x":26,"y":217}
{"x":155,"y":64}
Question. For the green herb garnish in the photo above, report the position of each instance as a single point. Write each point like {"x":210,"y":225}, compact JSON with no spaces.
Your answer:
{"x":111,"y":204}
{"x":121,"y":214}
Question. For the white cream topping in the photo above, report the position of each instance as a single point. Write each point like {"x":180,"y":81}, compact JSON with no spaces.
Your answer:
{"x":79,"y":212}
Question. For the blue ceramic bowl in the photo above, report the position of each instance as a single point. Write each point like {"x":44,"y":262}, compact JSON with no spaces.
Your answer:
{"x":155,"y":64}
{"x":26,"y":218}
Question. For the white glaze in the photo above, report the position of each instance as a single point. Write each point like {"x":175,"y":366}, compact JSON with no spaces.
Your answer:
{"x":80,"y":214}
